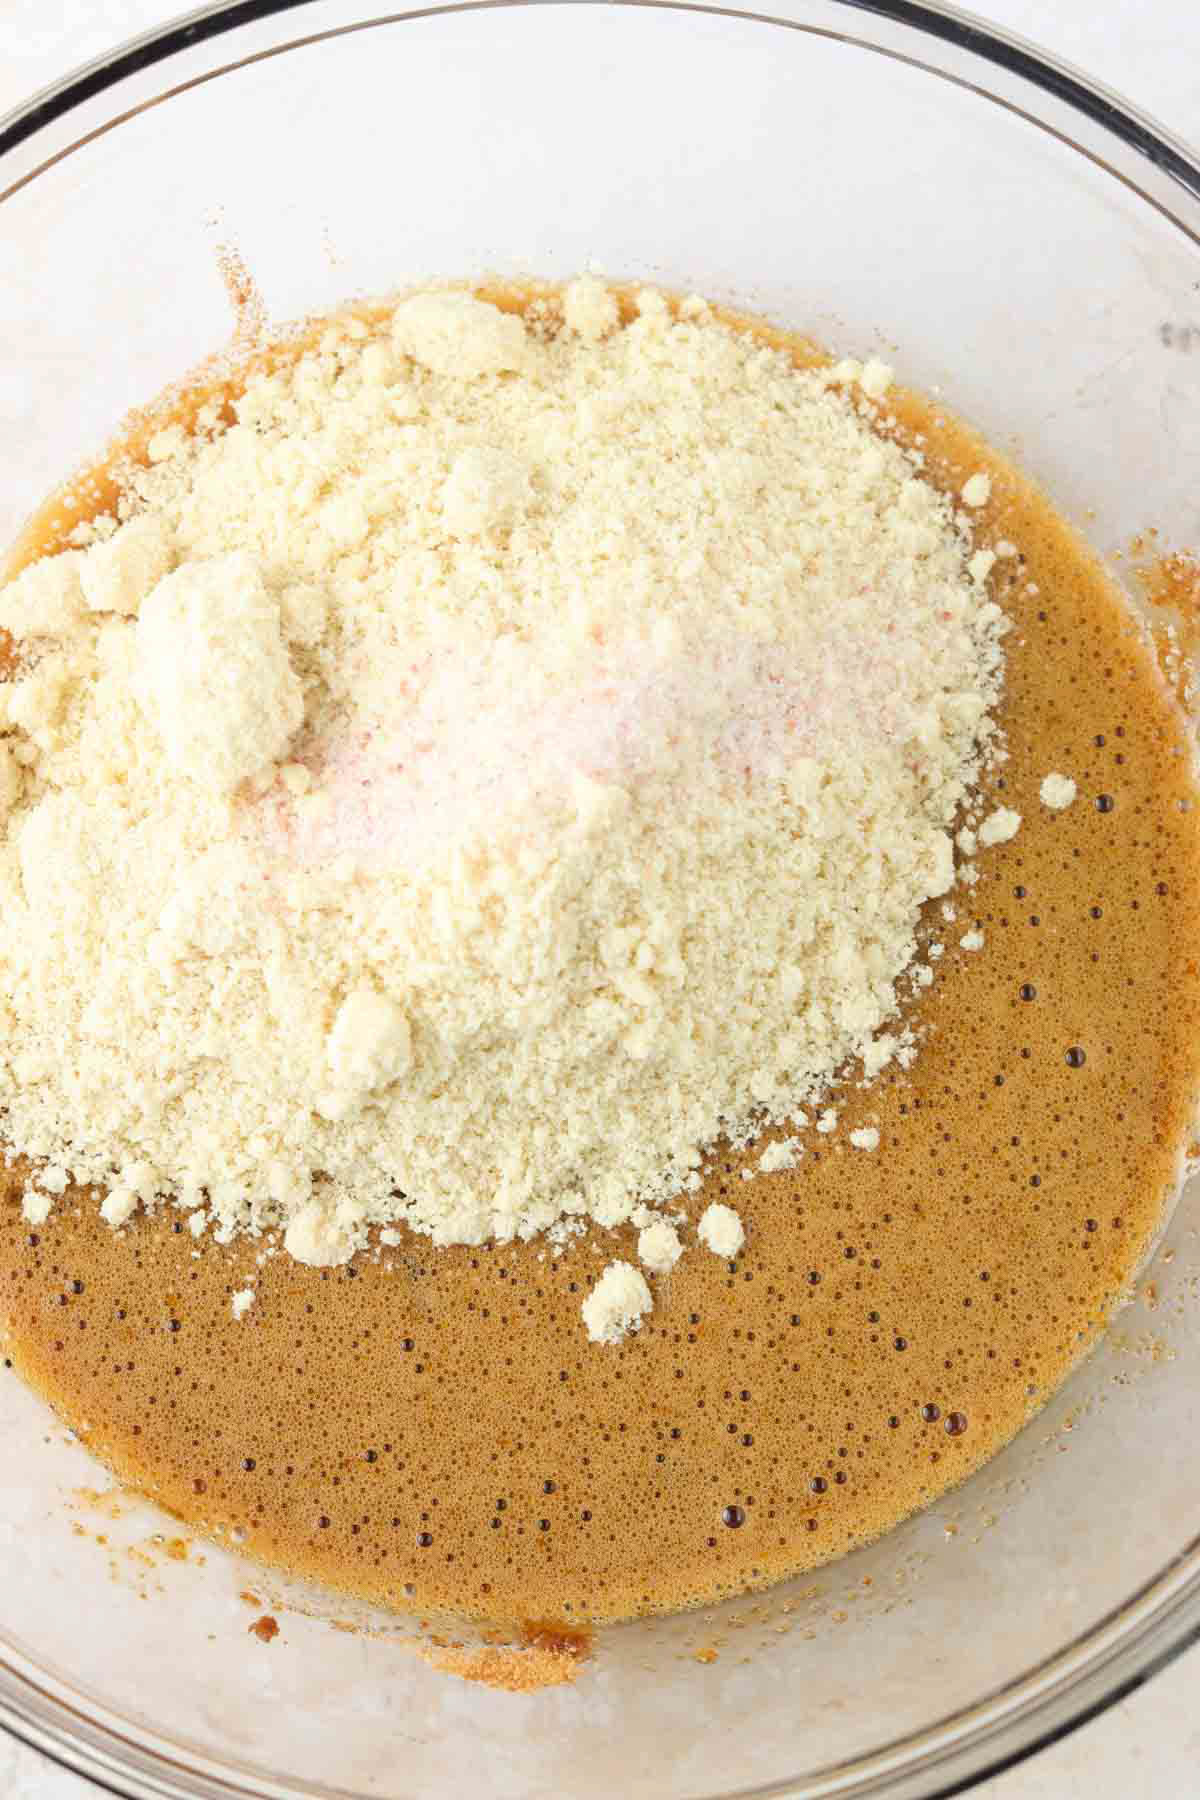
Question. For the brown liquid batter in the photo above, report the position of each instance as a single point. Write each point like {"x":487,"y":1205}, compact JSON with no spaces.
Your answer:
{"x":432,"y":1429}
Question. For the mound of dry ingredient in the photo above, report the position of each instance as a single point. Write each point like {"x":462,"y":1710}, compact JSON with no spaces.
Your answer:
{"x":505,"y":759}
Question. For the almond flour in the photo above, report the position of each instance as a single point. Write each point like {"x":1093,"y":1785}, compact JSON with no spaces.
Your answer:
{"x":496,"y":765}
{"x":720,"y":1230}
{"x":617,"y":1304}
{"x":999,"y":827}
{"x":1057,"y":791}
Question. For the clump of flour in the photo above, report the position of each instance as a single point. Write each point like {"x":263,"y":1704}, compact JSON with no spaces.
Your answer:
{"x":498,"y":764}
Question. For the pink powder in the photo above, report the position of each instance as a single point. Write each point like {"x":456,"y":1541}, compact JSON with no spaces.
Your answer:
{"x":476,"y":745}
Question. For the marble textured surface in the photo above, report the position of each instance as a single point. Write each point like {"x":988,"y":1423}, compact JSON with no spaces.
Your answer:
{"x":1149,"y":50}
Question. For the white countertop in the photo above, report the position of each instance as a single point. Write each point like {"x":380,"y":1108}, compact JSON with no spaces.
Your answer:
{"x":1149,"y":50}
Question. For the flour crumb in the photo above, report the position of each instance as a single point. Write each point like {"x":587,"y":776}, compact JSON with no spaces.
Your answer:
{"x":972,"y":940}
{"x":977,"y":491}
{"x":213,"y":671}
{"x":166,"y":443}
{"x":589,"y":309}
{"x":35,"y":1206}
{"x":653,"y":308}
{"x":242,"y":1302}
{"x":827,"y":1121}
{"x":865,"y":1137}
{"x":456,"y":335}
{"x":295,"y":778}
{"x":118,"y":1207}
{"x":659,"y":1247}
{"x":485,"y":491}
{"x":315,"y":1236}
{"x":999,"y":827}
{"x":784,"y":1153}
{"x":117,"y":574}
{"x":1057,"y":791}
{"x":369,"y":1046}
{"x":721,"y":1230}
{"x":45,"y":600}
{"x":876,"y":378}
{"x":35,"y":704}
{"x":617,"y":1304}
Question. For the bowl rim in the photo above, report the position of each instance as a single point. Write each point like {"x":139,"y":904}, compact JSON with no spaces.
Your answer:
{"x":1161,"y":1619}
{"x":1164,"y":150}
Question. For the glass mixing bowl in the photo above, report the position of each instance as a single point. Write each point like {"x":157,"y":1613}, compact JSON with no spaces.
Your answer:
{"x":895,"y":179}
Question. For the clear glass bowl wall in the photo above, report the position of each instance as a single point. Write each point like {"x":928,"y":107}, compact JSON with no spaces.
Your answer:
{"x":895,"y":181}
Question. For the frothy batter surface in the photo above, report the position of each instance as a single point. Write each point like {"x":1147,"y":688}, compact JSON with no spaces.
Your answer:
{"x":431,"y":1429}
